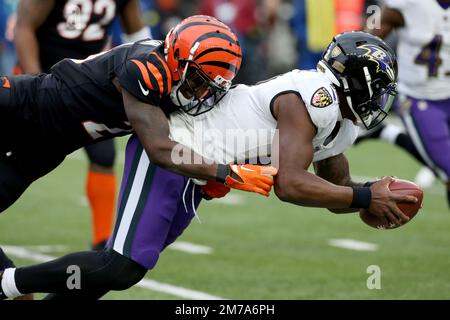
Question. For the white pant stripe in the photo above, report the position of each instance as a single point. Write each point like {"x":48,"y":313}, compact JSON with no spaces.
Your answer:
{"x":132,"y":202}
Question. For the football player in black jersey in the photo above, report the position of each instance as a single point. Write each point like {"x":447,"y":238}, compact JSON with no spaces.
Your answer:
{"x":128,"y":89}
{"x":49,"y":31}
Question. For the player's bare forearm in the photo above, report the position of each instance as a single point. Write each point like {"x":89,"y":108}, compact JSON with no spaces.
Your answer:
{"x":294,"y":183}
{"x":336,"y":170}
{"x":152,"y":128}
{"x":306,"y":189}
{"x":172,"y":156}
{"x":30,"y":15}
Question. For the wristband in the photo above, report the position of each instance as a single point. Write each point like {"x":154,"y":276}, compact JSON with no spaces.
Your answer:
{"x":223,"y":171}
{"x":362,"y":196}
{"x":368,"y":183}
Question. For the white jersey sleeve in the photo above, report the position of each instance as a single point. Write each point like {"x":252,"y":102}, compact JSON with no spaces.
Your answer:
{"x":320,"y":99}
{"x":227,"y":132}
{"x":334,"y":134}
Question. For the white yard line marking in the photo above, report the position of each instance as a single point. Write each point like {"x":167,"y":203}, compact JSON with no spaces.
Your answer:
{"x":351,"y":244}
{"x":21,"y":252}
{"x":190,"y":248}
{"x":83,"y":201}
{"x":48,"y":248}
{"x":176,"y":291}
{"x":230,"y":199}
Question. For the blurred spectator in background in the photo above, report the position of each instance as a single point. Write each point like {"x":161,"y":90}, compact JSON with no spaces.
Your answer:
{"x":251,"y":20}
{"x":315,"y":22}
{"x":162,"y":15}
{"x":7,"y":22}
{"x":2,"y":33}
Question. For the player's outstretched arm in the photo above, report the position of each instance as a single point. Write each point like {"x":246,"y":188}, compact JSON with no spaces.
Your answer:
{"x":383,"y":201}
{"x":31,"y":14}
{"x":296,"y":185}
{"x":152,"y":128}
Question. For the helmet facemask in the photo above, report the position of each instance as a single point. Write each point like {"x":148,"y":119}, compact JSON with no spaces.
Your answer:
{"x":196,"y":92}
{"x":370,"y":105}
{"x":365,"y":68}
{"x":203,"y":56}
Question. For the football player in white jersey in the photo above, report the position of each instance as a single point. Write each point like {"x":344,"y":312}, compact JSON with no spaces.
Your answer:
{"x":314,"y":112}
{"x":424,"y":78}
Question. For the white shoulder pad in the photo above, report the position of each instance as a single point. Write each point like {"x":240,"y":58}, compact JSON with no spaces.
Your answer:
{"x":319,"y":96}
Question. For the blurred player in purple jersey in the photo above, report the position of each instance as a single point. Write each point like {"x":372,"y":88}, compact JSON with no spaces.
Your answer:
{"x":424,"y":80}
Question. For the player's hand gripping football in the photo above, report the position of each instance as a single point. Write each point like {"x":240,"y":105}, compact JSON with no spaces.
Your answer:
{"x":251,"y":178}
{"x":384,"y":203}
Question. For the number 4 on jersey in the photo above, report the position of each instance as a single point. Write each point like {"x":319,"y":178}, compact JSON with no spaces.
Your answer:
{"x":429,"y":56}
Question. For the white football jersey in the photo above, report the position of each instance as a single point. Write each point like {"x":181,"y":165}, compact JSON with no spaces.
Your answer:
{"x":423,"y":49}
{"x":241,"y":126}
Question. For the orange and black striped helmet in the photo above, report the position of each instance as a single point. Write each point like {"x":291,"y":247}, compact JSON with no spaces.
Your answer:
{"x":206,"y":41}
{"x":206,"y":45}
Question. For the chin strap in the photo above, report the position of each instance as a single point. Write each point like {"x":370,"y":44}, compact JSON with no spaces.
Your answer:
{"x":176,"y":96}
{"x":358,"y":121}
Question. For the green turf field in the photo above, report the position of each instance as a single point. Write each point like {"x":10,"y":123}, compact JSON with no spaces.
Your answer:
{"x":262,"y":248}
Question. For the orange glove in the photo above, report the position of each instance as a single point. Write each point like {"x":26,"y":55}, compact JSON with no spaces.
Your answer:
{"x":254,"y":178}
{"x":214,"y":189}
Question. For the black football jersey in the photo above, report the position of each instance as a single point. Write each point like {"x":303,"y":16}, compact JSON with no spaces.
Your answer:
{"x":78,"y":100}
{"x":76,"y":29}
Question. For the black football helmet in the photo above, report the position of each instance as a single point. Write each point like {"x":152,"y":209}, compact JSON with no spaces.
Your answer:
{"x":365,"y":67}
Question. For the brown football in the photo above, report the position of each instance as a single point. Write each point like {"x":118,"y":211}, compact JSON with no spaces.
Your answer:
{"x":403,"y":187}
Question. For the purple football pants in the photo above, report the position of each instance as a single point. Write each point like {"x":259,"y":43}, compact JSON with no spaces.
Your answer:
{"x":154,"y":207}
{"x":428,"y":125}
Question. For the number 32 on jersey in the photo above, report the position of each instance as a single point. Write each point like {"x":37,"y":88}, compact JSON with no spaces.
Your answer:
{"x":79,"y":14}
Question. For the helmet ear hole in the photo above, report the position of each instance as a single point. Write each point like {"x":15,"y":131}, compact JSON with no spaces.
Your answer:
{"x":176,"y":53}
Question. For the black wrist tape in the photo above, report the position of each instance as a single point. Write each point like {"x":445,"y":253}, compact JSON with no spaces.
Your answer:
{"x":223,"y":171}
{"x":362,"y":196}
{"x":368,"y":183}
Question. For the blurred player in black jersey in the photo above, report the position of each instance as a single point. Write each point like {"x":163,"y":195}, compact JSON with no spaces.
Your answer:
{"x":131,"y":88}
{"x":49,"y":31}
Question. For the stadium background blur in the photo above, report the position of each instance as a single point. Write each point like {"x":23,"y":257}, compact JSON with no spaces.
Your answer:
{"x":247,"y":247}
